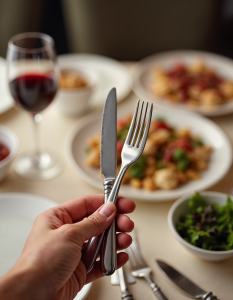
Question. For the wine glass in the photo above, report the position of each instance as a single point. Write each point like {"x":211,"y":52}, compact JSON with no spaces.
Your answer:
{"x":33,"y":77}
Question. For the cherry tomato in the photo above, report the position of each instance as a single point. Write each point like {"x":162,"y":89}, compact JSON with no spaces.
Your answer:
{"x":121,"y":124}
{"x":120,"y":145}
{"x":183,"y":143}
{"x":161,"y":125}
{"x":4,"y":151}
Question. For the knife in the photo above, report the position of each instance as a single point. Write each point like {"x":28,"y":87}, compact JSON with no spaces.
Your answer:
{"x":108,"y":161}
{"x":125,"y":293}
{"x":184,"y":283}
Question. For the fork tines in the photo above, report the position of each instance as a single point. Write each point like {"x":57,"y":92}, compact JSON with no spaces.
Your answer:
{"x":134,"y":135}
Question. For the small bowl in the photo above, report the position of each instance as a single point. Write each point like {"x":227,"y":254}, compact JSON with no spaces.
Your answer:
{"x":75,"y":101}
{"x":179,"y":208}
{"x":10,"y":140}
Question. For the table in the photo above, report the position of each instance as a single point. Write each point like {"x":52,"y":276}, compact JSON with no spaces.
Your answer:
{"x":150,"y":219}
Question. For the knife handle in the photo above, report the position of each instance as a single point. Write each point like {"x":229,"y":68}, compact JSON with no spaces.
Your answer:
{"x":91,"y":251}
{"x":209,"y":296}
{"x":108,"y":253}
{"x":159,"y":295}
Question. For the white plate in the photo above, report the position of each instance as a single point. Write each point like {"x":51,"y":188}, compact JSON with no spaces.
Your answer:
{"x":17,"y":214}
{"x":142,"y":70}
{"x":212,"y":135}
{"x":6,"y":101}
{"x":110,"y":73}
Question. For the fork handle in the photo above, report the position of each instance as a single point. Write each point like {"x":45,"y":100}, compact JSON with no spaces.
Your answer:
{"x":159,"y":295}
{"x":108,"y":251}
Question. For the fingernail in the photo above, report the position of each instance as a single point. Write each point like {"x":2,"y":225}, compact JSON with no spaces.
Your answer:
{"x":107,"y":209}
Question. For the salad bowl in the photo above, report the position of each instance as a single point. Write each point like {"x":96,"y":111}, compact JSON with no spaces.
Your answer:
{"x":178,"y":217}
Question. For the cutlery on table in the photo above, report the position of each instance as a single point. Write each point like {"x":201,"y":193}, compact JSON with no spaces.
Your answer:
{"x":131,"y":152}
{"x":128,"y":278}
{"x":184,"y":283}
{"x":139,"y":267}
{"x":121,"y":277}
{"x":108,"y":169}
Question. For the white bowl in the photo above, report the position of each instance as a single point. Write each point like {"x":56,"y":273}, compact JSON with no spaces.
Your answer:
{"x":75,"y":101}
{"x":8,"y":138}
{"x":181,"y":207}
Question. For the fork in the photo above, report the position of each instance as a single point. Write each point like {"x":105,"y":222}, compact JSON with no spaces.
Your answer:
{"x":131,"y":152}
{"x":139,"y":267}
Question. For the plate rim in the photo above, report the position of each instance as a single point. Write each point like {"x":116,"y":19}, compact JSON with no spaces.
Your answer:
{"x":138,"y":89}
{"x":8,"y":101}
{"x":176,"y":193}
{"x":14,"y":195}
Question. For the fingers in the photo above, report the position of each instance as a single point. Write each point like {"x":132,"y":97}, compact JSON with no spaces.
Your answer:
{"x":96,"y":223}
{"x":86,"y":205}
{"x":95,"y":273}
{"x":83,"y":206}
{"x":125,"y":206}
{"x":124,"y":223}
{"x":123,"y":241}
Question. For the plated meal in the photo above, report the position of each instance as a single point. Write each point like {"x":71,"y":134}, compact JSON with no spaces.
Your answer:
{"x":109,"y":73}
{"x":197,"y":176}
{"x":172,"y":156}
{"x":71,"y":79}
{"x":195,"y":85}
{"x":188,"y":80}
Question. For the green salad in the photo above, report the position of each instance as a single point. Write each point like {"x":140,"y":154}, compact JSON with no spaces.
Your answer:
{"x":207,"y":226}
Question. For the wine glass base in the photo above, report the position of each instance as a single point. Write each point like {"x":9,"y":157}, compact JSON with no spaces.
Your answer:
{"x":42,"y":166}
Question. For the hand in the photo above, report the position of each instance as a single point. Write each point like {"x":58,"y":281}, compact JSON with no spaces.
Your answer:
{"x":50,"y":265}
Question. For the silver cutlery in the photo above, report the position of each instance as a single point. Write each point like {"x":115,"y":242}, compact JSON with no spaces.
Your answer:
{"x":184,"y":283}
{"x":108,"y":169}
{"x":131,"y":152}
{"x":139,"y":267}
{"x":125,"y":293}
{"x":115,"y":278}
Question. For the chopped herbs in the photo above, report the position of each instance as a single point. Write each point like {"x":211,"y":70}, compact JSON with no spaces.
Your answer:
{"x":87,"y":150}
{"x":137,"y":169}
{"x":207,"y":226}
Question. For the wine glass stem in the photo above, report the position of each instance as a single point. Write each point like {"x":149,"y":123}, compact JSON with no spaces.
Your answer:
{"x":36,"y":119}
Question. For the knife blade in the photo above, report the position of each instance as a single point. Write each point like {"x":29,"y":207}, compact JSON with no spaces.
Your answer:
{"x":184,"y":283}
{"x":108,"y":161}
{"x":108,"y":169}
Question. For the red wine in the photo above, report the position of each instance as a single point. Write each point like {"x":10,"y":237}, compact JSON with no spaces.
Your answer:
{"x":33,"y":92}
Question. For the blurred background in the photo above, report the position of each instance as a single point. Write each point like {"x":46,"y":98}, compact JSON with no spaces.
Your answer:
{"x":123,"y":30}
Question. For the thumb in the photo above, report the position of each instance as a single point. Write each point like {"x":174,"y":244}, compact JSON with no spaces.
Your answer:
{"x":96,"y":223}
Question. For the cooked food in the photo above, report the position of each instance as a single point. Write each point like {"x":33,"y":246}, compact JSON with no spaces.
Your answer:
{"x":207,"y":226}
{"x":4,"y":151}
{"x":172,"y":156}
{"x":72,"y":80}
{"x":194,"y":85}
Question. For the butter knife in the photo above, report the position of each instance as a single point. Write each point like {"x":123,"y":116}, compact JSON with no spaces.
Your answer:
{"x":125,"y":293}
{"x":108,"y":169}
{"x":184,"y":283}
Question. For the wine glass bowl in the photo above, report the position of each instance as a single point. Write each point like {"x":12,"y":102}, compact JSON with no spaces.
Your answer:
{"x":33,"y":77}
